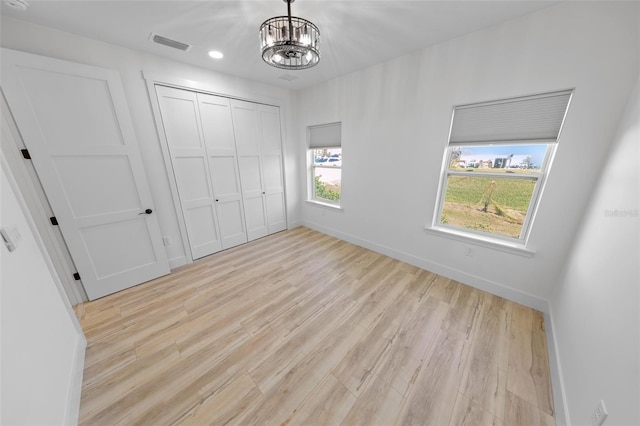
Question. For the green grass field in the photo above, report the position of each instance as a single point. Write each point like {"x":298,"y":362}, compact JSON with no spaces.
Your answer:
{"x":507,"y":203}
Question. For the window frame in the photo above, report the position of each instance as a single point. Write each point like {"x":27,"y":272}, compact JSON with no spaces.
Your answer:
{"x":314,"y":166}
{"x":494,"y":240}
{"x":539,"y":178}
{"x":323,"y":136}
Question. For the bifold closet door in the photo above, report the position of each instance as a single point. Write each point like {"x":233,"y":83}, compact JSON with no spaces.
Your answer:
{"x":210,"y":224}
{"x":257,"y":131}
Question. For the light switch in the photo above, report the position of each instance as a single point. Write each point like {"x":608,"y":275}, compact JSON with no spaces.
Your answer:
{"x":11,"y":237}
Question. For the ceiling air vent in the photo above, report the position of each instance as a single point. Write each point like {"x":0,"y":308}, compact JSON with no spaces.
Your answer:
{"x":287,"y":77}
{"x":169,"y":42}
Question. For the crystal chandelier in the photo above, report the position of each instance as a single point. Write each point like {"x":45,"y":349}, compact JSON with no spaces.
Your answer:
{"x":289,"y":42}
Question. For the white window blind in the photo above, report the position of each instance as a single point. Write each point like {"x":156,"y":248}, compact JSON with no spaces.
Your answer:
{"x":325,"y":136}
{"x":527,"y":119}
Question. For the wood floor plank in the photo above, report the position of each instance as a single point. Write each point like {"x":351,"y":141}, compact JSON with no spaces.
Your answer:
{"x":267,"y":373}
{"x":408,"y":352}
{"x":301,"y":328}
{"x":540,"y":369}
{"x":302,"y":376}
{"x":468,"y":413}
{"x":224,"y":405}
{"x":327,"y":405}
{"x":528,"y":375}
{"x":180,"y":389}
{"x":101,"y":402}
{"x":484,"y":380}
{"x":379,"y":403}
{"x":520,"y":412}
{"x":373,"y":350}
{"x":432,"y":399}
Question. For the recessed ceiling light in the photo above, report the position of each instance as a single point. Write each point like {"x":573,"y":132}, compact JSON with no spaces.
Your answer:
{"x":17,"y":4}
{"x":215,"y":54}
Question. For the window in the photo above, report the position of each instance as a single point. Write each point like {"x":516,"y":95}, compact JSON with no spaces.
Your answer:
{"x":325,"y":152}
{"x":496,"y":161}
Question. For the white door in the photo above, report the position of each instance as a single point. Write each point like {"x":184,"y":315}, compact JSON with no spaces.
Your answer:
{"x":181,"y":122}
{"x":217,"y":127}
{"x":248,"y":141}
{"x":272,"y":167}
{"x":75,"y":122}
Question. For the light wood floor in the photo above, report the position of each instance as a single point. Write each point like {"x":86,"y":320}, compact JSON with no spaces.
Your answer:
{"x":300,"y":328}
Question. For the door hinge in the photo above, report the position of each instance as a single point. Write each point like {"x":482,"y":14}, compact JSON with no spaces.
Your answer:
{"x":53,"y":220}
{"x":76,"y":276}
{"x":25,"y":154}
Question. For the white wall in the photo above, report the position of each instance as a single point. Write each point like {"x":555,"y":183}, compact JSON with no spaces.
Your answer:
{"x":27,"y":37}
{"x":595,"y":305}
{"x":42,"y":347}
{"x":395,"y":120}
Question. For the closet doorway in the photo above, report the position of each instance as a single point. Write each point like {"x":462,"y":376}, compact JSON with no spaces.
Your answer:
{"x":226,"y":159}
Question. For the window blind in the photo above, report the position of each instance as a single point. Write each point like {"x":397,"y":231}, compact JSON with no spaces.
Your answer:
{"x":325,"y":135}
{"x":526,"y":119}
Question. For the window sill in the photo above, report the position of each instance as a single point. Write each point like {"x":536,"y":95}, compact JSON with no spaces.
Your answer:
{"x":328,"y":205}
{"x":492,"y":243}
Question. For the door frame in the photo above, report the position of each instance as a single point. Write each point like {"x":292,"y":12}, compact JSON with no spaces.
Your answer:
{"x":152,"y":79}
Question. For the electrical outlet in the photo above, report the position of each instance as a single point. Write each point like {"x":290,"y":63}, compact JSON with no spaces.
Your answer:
{"x":166,"y":240}
{"x":599,"y":414}
{"x":468,"y":251}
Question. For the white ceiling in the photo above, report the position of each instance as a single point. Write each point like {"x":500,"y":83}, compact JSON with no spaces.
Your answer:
{"x":354,"y":34}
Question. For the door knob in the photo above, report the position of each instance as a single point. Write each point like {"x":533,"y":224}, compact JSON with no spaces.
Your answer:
{"x":147,"y":211}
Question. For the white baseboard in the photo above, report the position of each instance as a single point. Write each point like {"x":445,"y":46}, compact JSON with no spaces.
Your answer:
{"x":177,"y":262}
{"x":75,"y":388}
{"x":557,"y":383}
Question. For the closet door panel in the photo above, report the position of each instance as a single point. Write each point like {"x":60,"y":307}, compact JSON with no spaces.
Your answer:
{"x":273,"y":179}
{"x":276,"y":212}
{"x":203,"y":235}
{"x":180,"y":119}
{"x":250,"y":174}
{"x":193,"y":183}
{"x":253,"y":196}
{"x":230,"y":213}
{"x":270,"y":127}
{"x":246,"y":126}
{"x":256,"y":223}
{"x":217,"y":125}
{"x":224,"y":175}
{"x":274,"y":193}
